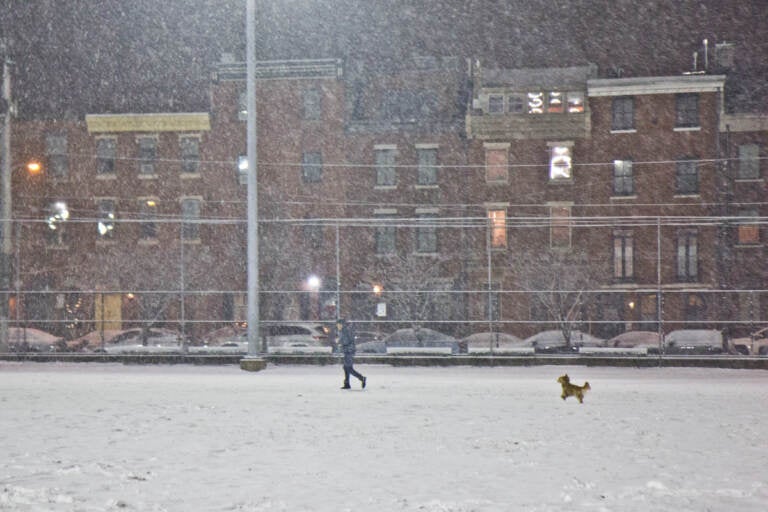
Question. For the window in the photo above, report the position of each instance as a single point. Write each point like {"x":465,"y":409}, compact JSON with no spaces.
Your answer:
{"x":427,"y":166}
{"x":493,"y":301}
{"x":312,"y":167}
{"x":623,"y":113}
{"x":148,"y":217}
{"x":560,"y":226}
{"x":560,"y":163}
{"x":623,"y":256}
{"x":498,"y":225}
{"x":496,"y":164}
{"x":426,"y":234}
{"x":58,"y":159}
{"x":575,"y":102}
{"x":749,"y":229}
{"x":385,"y":234}
{"x":555,"y":103}
{"x":58,"y":215}
{"x":686,"y":110}
{"x":190,"y":154}
{"x":242,"y":106}
{"x":695,"y":308}
{"x":312,"y":100}
{"x":687,"y":256}
{"x":105,"y":156}
{"x":623,"y":180}
{"x":496,"y":104}
{"x":687,"y":177}
{"x":242,"y":169}
{"x":385,"y":167}
{"x":749,"y":162}
{"x":313,"y":232}
{"x":106,"y":224}
{"x":190,"y":215}
{"x":516,"y":104}
{"x":535,"y":102}
{"x":147,"y":155}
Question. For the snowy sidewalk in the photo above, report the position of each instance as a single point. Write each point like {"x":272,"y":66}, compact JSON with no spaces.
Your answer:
{"x":95,"y":437}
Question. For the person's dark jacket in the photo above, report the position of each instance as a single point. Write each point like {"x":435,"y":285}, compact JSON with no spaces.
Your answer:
{"x":347,"y":341}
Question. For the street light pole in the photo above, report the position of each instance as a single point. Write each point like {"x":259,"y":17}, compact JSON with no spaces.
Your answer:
{"x":253,"y":200}
{"x":6,"y":244}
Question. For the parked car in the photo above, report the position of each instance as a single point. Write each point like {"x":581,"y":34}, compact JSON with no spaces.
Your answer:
{"x":486,"y":340}
{"x":648,"y":340}
{"x":755,"y":344}
{"x":694,"y":341}
{"x":28,"y":339}
{"x":553,"y":341}
{"x":293,"y":334}
{"x":370,"y":342}
{"x":421,"y":337}
{"x":157,"y":338}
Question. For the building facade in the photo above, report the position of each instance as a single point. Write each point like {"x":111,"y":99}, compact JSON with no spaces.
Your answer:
{"x":431,"y":191}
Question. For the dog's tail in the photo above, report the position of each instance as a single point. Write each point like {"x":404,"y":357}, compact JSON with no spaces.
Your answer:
{"x":587,"y":386}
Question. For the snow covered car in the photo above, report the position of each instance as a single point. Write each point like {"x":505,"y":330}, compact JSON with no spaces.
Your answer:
{"x":755,"y":344}
{"x":648,"y":340}
{"x":553,"y":341}
{"x":28,"y":339}
{"x":694,"y":341}
{"x":421,"y":338}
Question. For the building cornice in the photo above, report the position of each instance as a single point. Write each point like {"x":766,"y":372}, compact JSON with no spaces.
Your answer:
{"x":654,"y":85}
{"x":159,"y":122}
{"x":743,"y":122}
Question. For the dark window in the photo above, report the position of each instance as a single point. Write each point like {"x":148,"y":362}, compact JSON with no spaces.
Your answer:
{"x":516,"y":104}
{"x":148,"y":216}
{"x":687,"y":256}
{"x":313,"y":233}
{"x":147,"y":155}
{"x":190,"y":214}
{"x":312,"y":99}
{"x":58,"y":160}
{"x":749,"y":162}
{"x":623,"y":256}
{"x":687,"y":110}
{"x":190,"y":154}
{"x":426,"y":234}
{"x":105,"y":156}
{"x":385,"y":167}
{"x":623,"y":179}
{"x":312,"y":167}
{"x":385,"y":235}
{"x":427,"y":166}
{"x":495,"y":104}
{"x":687,"y":177}
{"x":623,"y":113}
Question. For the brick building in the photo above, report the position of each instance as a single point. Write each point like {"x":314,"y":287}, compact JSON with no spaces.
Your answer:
{"x":458,"y":197}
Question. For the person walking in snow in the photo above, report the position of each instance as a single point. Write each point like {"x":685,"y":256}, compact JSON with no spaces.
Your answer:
{"x":347,"y":341}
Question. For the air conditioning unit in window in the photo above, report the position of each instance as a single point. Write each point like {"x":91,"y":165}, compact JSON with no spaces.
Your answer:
{"x":147,"y":169}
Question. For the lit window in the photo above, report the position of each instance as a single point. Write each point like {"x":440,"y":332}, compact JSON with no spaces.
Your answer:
{"x":242,"y":169}
{"x":623,"y":179}
{"x":556,"y":105}
{"x":496,"y":165}
{"x":535,"y":102}
{"x":242,"y":106}
{"x":498,"y":225}
{"x":575,"y":102}
{"x":148,"y":216}
{"x":106,"y":224}
{"x":58,"y":215}
{"x":560,"y":163}
{"x":749,"y":229}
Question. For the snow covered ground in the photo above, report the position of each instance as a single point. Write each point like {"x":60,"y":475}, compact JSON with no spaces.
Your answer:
{"x":101,"y":437}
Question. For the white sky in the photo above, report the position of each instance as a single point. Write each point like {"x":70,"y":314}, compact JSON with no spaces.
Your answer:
{"x":96,"y":437}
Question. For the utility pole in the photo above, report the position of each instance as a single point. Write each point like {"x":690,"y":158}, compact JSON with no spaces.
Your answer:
{"x":6,"y":239}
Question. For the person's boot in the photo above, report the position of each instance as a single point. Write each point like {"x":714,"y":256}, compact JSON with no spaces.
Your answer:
{"x":364,"y":381}
{"x":346,"y":386}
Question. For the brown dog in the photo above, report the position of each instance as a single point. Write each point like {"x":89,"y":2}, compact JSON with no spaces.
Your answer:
{"x":572,"y":389}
